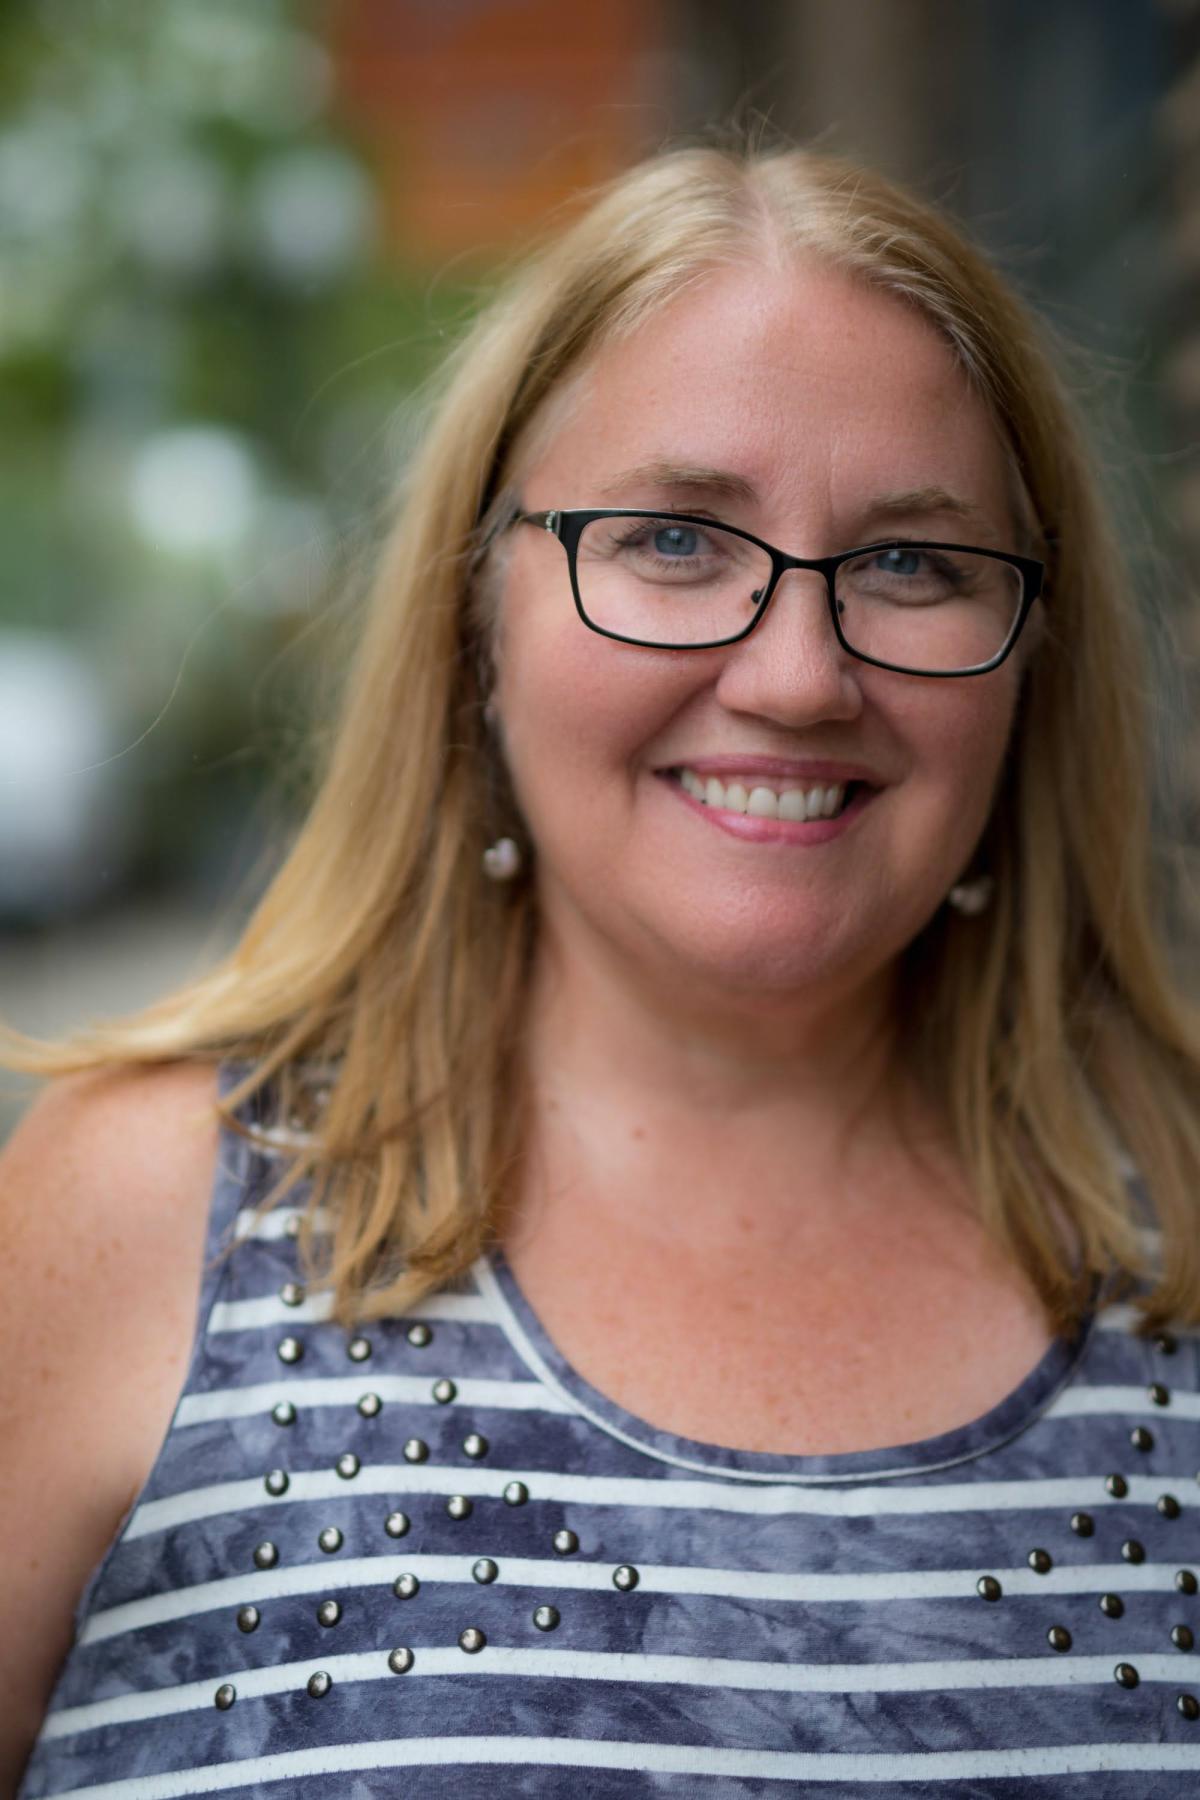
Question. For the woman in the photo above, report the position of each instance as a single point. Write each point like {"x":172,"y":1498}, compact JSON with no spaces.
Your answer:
{"x":705,"y":1022}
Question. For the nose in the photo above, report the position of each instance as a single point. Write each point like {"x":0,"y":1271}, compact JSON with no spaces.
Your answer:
{"x":792,"y":669}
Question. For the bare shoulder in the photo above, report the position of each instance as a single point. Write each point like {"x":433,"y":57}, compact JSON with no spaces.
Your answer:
{"x":104,"y":1195}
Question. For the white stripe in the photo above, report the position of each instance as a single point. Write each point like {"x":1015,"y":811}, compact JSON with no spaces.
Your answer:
{"x":346,"y":1390}
{"x":609,"y":1490}
{"x":699,"y":1760}
{"x":261,"y":1587}
{"x":269,"y":1309}
{"x":1094,"y":1400}
{"x":274,"y":1224}
{"x":1123,"y":1317}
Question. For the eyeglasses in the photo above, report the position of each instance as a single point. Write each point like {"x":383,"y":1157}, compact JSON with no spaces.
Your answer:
{"x":679,"y":581}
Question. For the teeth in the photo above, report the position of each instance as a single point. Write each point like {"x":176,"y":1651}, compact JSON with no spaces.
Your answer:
{"x":794,"y":804}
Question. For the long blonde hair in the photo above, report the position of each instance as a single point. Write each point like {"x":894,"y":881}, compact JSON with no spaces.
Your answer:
{"x":1051,"y":1027}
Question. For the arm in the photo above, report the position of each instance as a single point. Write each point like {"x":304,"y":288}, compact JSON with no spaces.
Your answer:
{"x":104,"y":1193}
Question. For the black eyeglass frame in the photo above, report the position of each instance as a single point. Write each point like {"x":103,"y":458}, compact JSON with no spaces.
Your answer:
{"x":568,"y":525}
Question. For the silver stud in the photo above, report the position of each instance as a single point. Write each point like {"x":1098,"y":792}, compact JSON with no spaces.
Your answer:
{"x":1166,"y":1343}
{"x":292,"y":1293}
{"x":1058,"y":1637}
{"x":1126,"y":1675}
{"x":348,"y":1465}
{"x":444,"y":1391}
{"x":1141,"y":1438}
{"x":400,"y":1661}
{"x":419,"y":1336}
{"x":516,"y":1493}
{"x":276,"y":1482}
{"x":475,"y":1445}
{"x":546,"y":1617}
{"x":625,"y":1577}
{"x":1160,"y":1395}
{"x":405,"y":1587}
{"x":485,"y":1570}
{"x":566,"y":1542}
{"x":1112,"y":1606}
{"x":987,"y":1586}
{"x":416,"y":1450}
{"x":370,"y":1406}
{"x":1185,"y":1581}
{"x":1082,"y":1524}
{"x":396,"y":1524}
{"x":329,"y":1612}
{"x":330,"y":1539}
{"x":458,"y":1506}
{"x":266,"y":1556}
{"x":1040,"y":1561}
{"x":471,"y":1640}
{"x":1183,"y":1637}
{"x":248,"y":1617}
{"x":1132,"y":1551}
{"x":1189,"y":1706}
{"x":283,"y":1412}
{"x":319,"y":1684}
{"x":291,"y":1225}
{"x":1168,"y":1506}
{"x":225,"y":1696}
{"x":1116,"y":1485}
{"x":358,"y":1349}
{"x":289,"y":1350}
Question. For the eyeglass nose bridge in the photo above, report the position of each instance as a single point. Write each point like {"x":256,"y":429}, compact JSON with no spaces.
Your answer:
{"x":783,"y":564}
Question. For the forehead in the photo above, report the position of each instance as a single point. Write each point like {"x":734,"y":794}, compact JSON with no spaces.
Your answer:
{"x":803,"y":381}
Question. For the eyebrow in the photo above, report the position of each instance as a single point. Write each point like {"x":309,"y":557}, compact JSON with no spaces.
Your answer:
{"x":724,"y":484}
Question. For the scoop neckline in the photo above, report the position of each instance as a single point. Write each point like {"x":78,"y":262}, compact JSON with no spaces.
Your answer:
{"x":1010,"y":1416}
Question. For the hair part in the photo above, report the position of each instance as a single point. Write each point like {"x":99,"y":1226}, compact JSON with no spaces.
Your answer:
{"x":1050,"y":1029}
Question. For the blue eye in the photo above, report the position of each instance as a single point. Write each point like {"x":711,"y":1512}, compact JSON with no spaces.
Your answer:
{"x":900,"y":562}
{"x":676,"y":540}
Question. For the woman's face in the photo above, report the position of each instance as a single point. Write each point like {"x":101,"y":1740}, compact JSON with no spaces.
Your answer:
{"x":796,"y":404}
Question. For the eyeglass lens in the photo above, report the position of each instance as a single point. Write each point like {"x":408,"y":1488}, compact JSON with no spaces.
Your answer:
{"x":663,"y":582}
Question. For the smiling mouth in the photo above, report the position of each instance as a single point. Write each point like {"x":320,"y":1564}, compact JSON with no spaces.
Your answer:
{"x":761,"y":799}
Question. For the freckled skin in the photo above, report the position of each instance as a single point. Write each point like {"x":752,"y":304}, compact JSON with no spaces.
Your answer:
{"x":823,"y":394}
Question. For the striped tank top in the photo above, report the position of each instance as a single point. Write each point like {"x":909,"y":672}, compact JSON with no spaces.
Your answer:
{"x":430,"y":1560}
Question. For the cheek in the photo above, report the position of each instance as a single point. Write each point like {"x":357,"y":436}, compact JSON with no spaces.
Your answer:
{"x":958,"y":739}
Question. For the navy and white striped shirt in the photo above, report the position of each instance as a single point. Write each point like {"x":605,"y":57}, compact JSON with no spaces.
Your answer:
{"x":432,"y":1560}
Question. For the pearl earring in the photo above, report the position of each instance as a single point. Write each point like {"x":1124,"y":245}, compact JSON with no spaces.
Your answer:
{"x":502,"y":860}
{"x":970,"y":898}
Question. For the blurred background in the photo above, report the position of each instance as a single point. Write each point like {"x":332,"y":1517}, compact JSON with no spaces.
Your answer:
{"x":236,"y":235}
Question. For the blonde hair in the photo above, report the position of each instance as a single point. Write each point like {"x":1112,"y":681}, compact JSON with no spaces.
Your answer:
{"x":1051,"y":1026}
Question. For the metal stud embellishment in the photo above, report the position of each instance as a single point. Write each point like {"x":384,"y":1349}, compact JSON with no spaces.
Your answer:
{"x":348,"y":1465}
{"x":1112,"y":1606}
{"x":406,"y":1587}
{"x":1185,"y":1581}
{"x":475,"y":1445}
{"x":471,"y":1640}
{"x":988,"y":1587}
{"x":419,"y":1336}
{"x":1116,"y":1485}
{"x":546,"y":1617}
{"x":283,"y":1413}
{"x":292,"y":1293}
{"x":358,"y":1349}
{"x":458,"y":1506}
{"x":1165,"y":1343}
{"x":1167,"y":1506}
{"x":265,"y":1556}
{"x":291,"y":1226}
{"x":485,"y":1570}
{"x":625,"y":1577}
{"x":1082,"y":1524}
{"x":1126,"y":1675}
{"x":329,"y":1612}
{"x":1189,"y":1706}
{"x":1040,"y":1561}
{"x":247,"y":1619}
{"x":319,"y":1684}
{"x":330,"y":1540}
{"x":400,"y":1661}
{"x":226,"y":1694}
{"x":1160,"y":1395}
{"x":370,"y":1406}
{"x":1132,"y":1551}
{"x":566,"y":1542}
{"x":1183,"y":1637}
{"x":1141,"y":1438}
{"x":1058,"y":1637}
{"x":396,"y":1524}
{"x":444,"y":1391}
{"x":289,"y":1350}
{"x":416,"y":1450}
{"x":516,"y":1493}
{"x":276,"y":1482}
